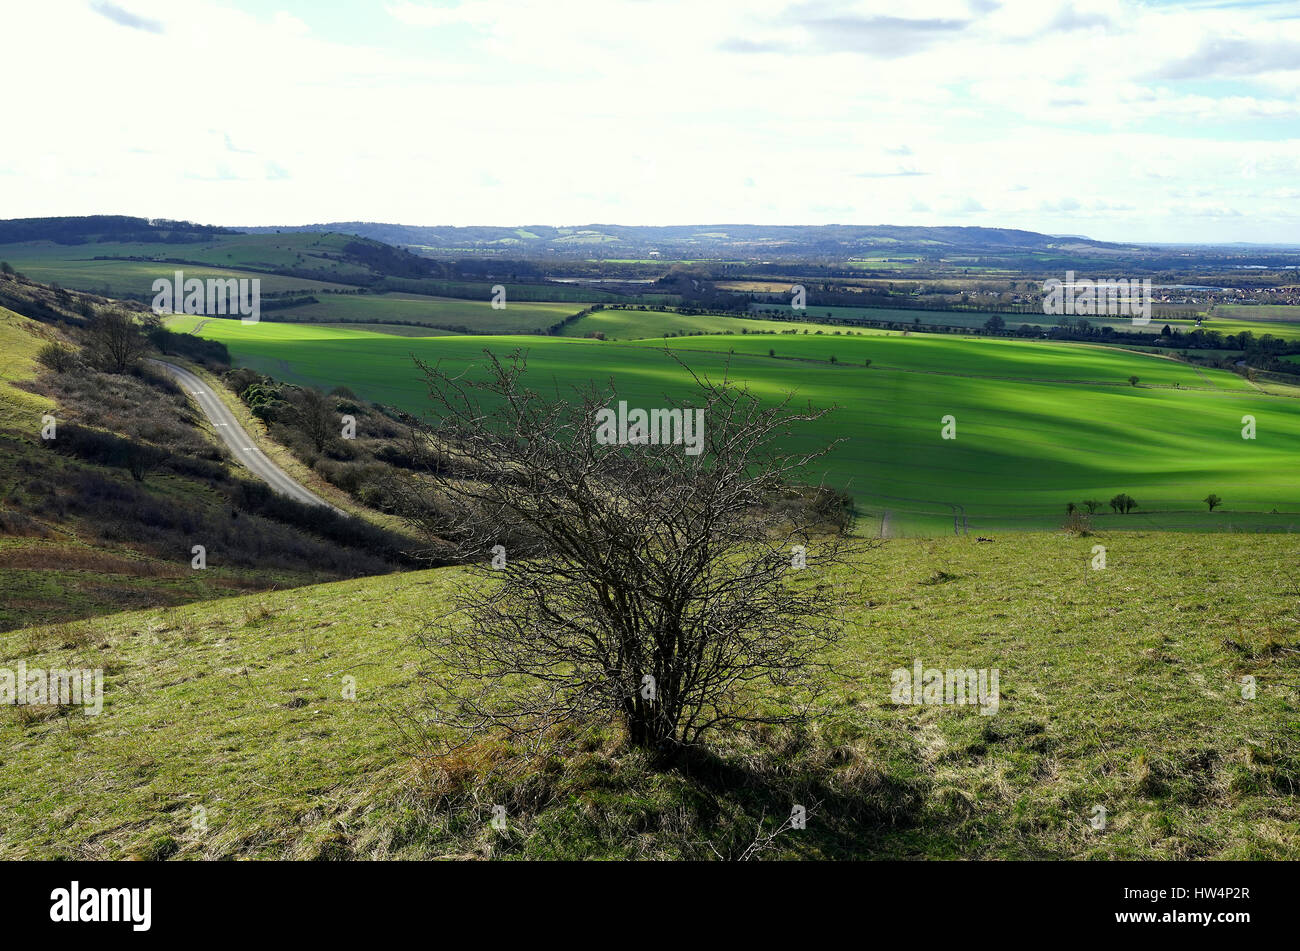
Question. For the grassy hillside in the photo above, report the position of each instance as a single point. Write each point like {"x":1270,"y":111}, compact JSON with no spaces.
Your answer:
{"x":80,"y":537}
{"x":1119,"y":688}
{"x":1038,"y":424}
{"x":56,"y":567}
{"x":20,"y":340}
{"x":79,"y":267}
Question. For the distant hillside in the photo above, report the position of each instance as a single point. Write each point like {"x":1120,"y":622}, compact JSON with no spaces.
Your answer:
{"x":115,"y":255}
{"x":709,"y":241}
{"x":104,"y":228}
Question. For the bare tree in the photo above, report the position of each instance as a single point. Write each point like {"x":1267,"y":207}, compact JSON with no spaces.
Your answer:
{"x":638,"y":582}
{"x":316,"y":416}
{"x":116,"y":340}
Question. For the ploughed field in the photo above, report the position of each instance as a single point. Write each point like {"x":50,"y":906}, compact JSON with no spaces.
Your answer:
{"x":1038,"y":424}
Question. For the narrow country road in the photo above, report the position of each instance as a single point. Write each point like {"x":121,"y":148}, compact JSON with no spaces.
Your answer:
{"x":240,"y":443}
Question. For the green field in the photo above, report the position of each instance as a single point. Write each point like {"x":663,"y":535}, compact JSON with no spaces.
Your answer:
{"x":639,"y":325}
{"x":396,"y":330}
{"x":1038,"y":424}
{"x":519,"y":291}
{"x":1118,"y":688}
{"x":1253,"y":312}
{"x":477,"y":316}
{"x":1237,"y":320}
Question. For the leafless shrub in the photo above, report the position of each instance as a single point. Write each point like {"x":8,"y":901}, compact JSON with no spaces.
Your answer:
{"x":640,"y":583}
{"x":116,"y":340}
{"x":1077,"y":523}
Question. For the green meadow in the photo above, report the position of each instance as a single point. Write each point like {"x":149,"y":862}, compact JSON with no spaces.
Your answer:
{"x":1037,"y":424}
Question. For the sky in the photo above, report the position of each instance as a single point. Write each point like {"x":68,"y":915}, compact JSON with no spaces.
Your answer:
{"x":1114,"y":119}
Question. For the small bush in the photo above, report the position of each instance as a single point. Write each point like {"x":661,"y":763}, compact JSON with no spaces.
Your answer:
{"x":1077,"y":523}
{"x":56,"y":357}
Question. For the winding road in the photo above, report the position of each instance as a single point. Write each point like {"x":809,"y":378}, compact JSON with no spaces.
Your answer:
{"x":241,"y":444}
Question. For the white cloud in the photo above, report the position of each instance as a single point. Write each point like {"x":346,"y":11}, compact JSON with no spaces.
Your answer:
{"x":656,"y":113}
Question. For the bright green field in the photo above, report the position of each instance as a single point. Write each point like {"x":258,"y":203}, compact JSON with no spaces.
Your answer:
{"x":1038,"y":424}
{"x":477,"y":315}
{"x":396,"y":330}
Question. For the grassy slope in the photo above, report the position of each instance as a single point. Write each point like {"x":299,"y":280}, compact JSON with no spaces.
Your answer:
{"x":1118,"y":687}
{"x":20,"y":340}
{"x":122,"y":278}
{"x":55,"y":570}
{"x":131,"y":267}
{"x":55,"y":566}
{"x":1039,"y":424}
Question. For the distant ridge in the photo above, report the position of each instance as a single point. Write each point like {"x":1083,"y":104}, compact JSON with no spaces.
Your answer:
{"x":88,"y":228}
{"x":706,"y":240}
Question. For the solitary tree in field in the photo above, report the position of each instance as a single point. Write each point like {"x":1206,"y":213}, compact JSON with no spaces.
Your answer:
{"x":1133,"y":381}
{"x":1094,"y":506}
{"x":1123,"y":503}
{"x":1213,"y":501}
{"x":635,"y":582}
